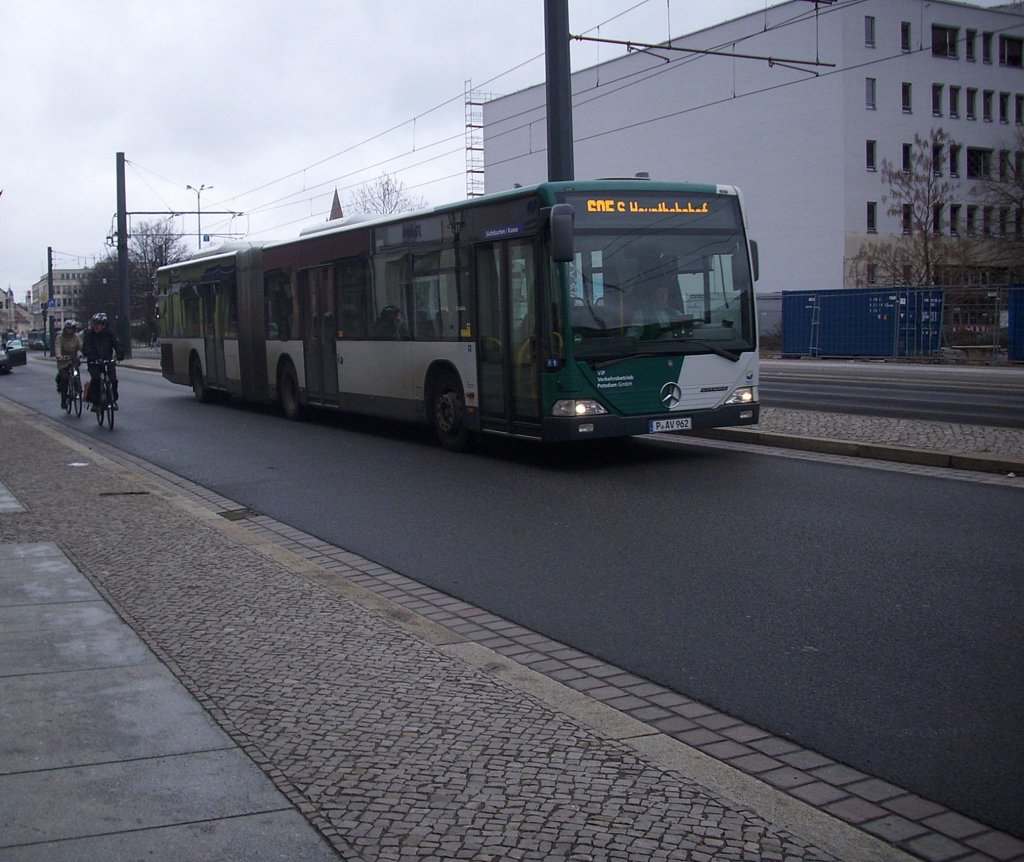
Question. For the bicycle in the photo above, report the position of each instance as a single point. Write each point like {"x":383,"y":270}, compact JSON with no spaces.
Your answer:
{"x":71,"y":396}
{"x":104,"y":404}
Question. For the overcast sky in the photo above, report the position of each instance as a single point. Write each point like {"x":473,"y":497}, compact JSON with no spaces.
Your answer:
{"x":271,"y":104}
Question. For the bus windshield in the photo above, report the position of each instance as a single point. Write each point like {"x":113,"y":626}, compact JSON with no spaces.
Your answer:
{"x":652,"y":277}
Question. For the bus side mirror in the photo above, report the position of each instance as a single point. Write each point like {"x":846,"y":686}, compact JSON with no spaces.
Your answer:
{"x":561,"y":223}
{"x":754,"y":262}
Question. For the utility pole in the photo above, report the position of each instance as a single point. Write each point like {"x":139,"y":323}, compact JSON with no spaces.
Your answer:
{"x":559,"y":90}
{"x":124,"y":322}
{"x":47,"y":335}
{"x":199,"y":214}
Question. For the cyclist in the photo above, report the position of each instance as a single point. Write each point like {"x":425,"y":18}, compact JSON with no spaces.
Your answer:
{"x":98,"y":344}
{"x":69,"y":345}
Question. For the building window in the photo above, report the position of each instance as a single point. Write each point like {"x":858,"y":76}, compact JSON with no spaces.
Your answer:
{"x":1018,"y":109}
{"x":1011,"y":51}
{"x":954,"y":160}
{"x":908,"y":219}
{"x":979,"y":163}
{"x":905,"y":36}
{"x":872,"y":217}
{"x":1004,"y":166}
{"x":907,"y":98}
{"x":986,"y":220}
{"x":869,"y":31}
{"x":944,"y":41}
{"x":869,"y":93}
{"x":986,"y":47}
{"x":936,"y":100}
{"x":871,"y":155}
{"x":954,"y":219}
{"x":986,"y":105}
{"x":1004,"y":221}
{"x":937,"y":159}
{"x":872,"y":273}
{"x":908,"y":158}
{"x":954,"y":101}
{"x":1004,"y":107}
{"x":971,"y":38}
{"x":937,"y":218}
{"x":972,"y":103}
{"x":972,"y":219}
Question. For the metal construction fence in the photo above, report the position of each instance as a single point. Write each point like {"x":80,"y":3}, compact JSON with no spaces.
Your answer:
{"x":981,"y":324}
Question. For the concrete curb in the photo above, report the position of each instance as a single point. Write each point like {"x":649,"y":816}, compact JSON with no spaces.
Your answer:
{"x":975,"y":461}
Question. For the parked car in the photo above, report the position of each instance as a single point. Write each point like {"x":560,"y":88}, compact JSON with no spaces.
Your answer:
{"x":36,"y":339}
{"x":17,"y":354}
{"x":5,"y":361}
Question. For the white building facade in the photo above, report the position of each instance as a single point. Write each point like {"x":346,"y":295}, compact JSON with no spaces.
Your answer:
{"x":804,"y":135}
{"x":67,"y":296}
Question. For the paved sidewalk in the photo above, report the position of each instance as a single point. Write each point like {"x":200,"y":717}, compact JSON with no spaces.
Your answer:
{"x":396,"y":738}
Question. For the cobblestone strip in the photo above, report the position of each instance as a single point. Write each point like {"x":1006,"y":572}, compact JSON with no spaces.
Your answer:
{"x":917,"y":826}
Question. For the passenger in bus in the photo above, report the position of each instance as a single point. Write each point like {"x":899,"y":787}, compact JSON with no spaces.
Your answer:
{"x":389,"y":324}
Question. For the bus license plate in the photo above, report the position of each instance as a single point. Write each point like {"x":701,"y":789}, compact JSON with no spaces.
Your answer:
{"x":683,"y":423}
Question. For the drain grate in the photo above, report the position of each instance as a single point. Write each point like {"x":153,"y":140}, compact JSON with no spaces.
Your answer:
{"x":124,"y":493}
{"x":238,"y":514}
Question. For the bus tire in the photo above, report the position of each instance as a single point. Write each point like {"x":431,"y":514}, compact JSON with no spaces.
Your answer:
{"x":288,"y":392}
{"x":448,"y":412}
{"x":199,"y":388}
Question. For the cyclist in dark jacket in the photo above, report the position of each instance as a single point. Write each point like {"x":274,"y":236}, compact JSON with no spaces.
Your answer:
{"x":97,"y":344}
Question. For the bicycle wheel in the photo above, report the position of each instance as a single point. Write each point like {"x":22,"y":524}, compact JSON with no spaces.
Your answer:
{"x":101,"y":402}
{"x":66,"y":396}
{"x":76,"y":394}
{"x":108,"y":403}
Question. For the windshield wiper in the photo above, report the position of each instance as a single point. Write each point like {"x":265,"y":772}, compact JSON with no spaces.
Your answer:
{"x":714,"y":348}
{"x":605,"y":363}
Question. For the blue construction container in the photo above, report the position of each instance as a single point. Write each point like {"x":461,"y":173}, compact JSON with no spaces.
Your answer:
{"x":897,"y":322}
{"x":1015,"y":333}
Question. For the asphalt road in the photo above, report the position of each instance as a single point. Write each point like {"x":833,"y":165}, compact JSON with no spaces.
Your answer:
{"x":871,"y":615}
{"x":973,"y":395}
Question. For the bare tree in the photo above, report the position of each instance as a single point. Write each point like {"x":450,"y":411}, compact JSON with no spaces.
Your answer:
{"x":918,"y":194}
{"x":384,"y":195}
{"x":1001,"y":193}
{"x":151,"y":245}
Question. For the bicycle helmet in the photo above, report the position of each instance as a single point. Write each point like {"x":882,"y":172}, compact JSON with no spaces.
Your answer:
{"x":99,"y":317}
{"x":70,"y":324}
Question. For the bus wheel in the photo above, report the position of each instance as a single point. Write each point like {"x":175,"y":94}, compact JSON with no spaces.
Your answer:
{"x":288,"y":392}
{"x":199,"y":387}
{"x":449,"y":413}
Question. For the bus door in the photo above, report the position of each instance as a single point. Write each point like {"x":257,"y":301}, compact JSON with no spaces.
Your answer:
{"x":508,"y":377}
{"x":320,"y":346}
{"x":214,"y":300}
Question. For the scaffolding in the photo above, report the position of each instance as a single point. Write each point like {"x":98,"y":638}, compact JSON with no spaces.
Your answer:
{"x":474,"y":140}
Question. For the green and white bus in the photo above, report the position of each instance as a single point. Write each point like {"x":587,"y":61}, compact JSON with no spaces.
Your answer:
{"x":562,"y":311}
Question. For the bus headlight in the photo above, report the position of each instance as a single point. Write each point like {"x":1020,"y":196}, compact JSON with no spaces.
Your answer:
{"x":577,"y":407}
{"x":743,"y":395}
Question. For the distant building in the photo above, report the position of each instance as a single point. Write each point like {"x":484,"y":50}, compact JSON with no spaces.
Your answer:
{"x":67,"y":296}
{"x":804,"y":141}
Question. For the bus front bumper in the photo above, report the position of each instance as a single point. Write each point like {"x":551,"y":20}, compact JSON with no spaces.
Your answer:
{"x":595,"y":427}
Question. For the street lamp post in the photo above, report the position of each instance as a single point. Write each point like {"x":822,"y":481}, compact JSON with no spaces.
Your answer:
{"x":199,"y":227}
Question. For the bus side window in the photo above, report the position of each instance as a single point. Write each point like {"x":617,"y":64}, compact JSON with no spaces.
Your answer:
{"x":280,"y":306}
{"x":389,"y":285}
{"x":352,"y":278}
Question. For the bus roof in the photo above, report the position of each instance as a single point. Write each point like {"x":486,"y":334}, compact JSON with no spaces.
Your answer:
{"x":546,"y":190}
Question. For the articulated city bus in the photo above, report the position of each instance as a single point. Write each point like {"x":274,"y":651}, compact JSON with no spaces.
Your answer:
{"x":562,"y":311}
